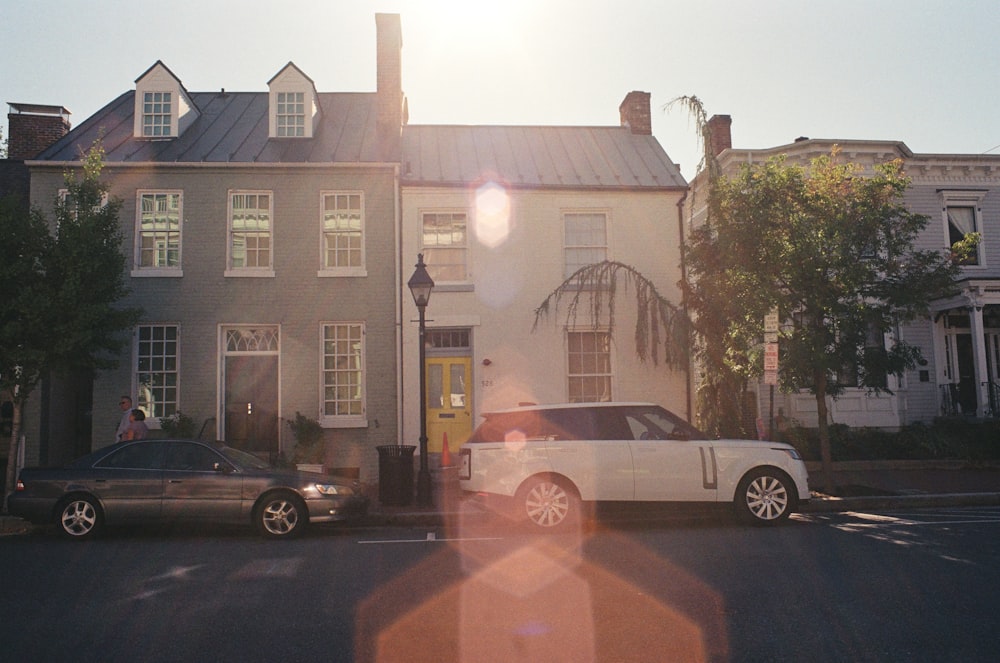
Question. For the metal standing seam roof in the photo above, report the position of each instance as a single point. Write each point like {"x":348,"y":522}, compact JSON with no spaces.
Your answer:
{"x":232,"y":128}
{"x":536,"y":156}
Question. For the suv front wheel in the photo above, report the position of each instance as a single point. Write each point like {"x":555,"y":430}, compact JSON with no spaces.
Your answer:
{"x":765,"y":497}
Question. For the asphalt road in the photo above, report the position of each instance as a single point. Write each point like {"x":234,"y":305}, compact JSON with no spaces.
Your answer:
{"x":874,"y":586}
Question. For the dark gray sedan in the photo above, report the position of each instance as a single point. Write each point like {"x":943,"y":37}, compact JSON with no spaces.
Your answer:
{"x":166,"y":481}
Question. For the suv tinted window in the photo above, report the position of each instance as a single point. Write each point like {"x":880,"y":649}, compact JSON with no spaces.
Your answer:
{"x":659,"y":424}
{"x":561,"y":424}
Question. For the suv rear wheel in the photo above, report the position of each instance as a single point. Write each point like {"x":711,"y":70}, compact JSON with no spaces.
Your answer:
{"x":549,"y":503}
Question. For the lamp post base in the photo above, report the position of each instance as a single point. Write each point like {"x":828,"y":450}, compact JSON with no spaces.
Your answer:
{"x":424,"y":497}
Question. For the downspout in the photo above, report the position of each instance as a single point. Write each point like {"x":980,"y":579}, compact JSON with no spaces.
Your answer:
{"x":680,"y":231}
{"x":399,"y":304}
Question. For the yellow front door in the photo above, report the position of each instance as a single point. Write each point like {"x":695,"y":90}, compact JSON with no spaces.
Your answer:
{"x":449,"y":402}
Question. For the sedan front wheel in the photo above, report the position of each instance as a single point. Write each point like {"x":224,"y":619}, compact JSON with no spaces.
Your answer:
{"x":765,"y":497}
{"x":281,"y":516}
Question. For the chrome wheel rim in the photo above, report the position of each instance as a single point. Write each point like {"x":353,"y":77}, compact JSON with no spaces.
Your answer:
{"x":79,"y":518}
{"x":280,"y":517}
{"x":547,"y":504}
{"x":767,"y":498}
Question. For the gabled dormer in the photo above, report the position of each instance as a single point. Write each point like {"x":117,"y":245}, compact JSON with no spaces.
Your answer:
{"x":163,"y":108}
{"x":293,"y":105}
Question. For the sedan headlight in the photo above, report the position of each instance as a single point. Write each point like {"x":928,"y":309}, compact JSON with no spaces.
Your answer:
{"x":793,"y":452}
{"x":333,"y":489}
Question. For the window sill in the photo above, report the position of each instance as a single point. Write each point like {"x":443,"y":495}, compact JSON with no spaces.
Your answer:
{"x":344,"y":422}
{"x":454,"y":287}
{"x":249,"y":273}
{"x":152,"y":272}
{"x":342,"y":272}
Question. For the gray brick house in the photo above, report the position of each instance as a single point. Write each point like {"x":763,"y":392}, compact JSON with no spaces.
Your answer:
{"x":262,"y":234}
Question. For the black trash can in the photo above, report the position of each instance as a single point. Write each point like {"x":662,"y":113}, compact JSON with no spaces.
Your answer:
{"x":395,"y":474}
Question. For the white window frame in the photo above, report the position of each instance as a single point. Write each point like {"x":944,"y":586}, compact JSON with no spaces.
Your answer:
{"x":294,"y":111}
{"x":608,"y":376}
{"x":170,"y":271}
{"x":170,"y":366}
{"x":156,"y":100}
{"x":571,"y":245}
{"x":431,"y":250}
{"x":243,"y":271}
{"x":970,"y":199}
{"x":329,"y":368}
{"x":326,"y":269}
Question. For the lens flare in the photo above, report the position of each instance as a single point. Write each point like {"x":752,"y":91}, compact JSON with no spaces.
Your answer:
{"x":492,"y":218}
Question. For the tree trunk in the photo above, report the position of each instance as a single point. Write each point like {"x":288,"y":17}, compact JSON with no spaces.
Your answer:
{"x":12,"y":453}
{"x":825,"y":455}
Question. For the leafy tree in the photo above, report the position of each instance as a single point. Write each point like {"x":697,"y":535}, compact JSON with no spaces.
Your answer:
{"x":833,"y":250}
{"x":59,"y":313}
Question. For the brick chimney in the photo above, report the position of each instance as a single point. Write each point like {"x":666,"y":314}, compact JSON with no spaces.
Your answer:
{"x":720,"y":133}
{"x":634,"y":111}
{"x":391,"y":114}
{"x":33,"y":127}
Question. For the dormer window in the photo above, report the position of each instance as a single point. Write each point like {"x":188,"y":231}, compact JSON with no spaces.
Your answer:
{"x":163,"y":108}
{"x":293,"y":104}
{"x":290,"y":115}
{"x":156,"y":114}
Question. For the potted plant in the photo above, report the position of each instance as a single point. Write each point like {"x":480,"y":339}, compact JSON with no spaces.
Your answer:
{"x":309,"y":448}
{"x":178,"y":426}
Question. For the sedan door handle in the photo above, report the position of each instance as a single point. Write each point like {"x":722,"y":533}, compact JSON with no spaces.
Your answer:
{"x":176,"y":481}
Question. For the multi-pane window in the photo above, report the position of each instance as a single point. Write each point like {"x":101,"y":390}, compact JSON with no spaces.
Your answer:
{"x":585,"y":240}
{"x":343,"y":370}
{"x":961,"y":221}
{"x":157,"y":369}
{"x":159,"y":232}
{"x":290,"y":115}
{"x":156,"y":113}
{"x":250,"y":230}
{"x":343,"y":230}
{"x":443,"y":239}
{"x":589,"y":366}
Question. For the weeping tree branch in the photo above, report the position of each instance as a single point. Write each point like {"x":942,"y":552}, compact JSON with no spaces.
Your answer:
{"x":592,"y":290}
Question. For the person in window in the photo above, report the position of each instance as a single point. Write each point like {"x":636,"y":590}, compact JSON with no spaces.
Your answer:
{"x":136,"y":429}
{"x":125,"y":403}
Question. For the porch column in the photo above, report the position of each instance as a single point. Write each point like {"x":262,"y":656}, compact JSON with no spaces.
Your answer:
{"x":979,"y":360}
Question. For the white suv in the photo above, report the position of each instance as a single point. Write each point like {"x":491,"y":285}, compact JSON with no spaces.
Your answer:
{"x":545,"y":460}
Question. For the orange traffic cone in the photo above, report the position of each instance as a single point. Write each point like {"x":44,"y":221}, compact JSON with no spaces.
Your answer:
{"x":445,"y":452}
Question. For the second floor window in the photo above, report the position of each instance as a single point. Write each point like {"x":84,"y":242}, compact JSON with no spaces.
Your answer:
{"x":585,"y":240}
{"x":962,"y":221}
{"x":290,"y":115}
{"x":159,"y":230}
{"x":250,"y":230}
{"x":156,"y":113}
{"x":343,"y":231}
{"x":443,"y":241}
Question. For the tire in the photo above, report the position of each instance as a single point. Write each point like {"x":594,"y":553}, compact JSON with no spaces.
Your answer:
{"x":549,"y":504}
{"x":79,"y":517}
{"x":281,"y":516}
{"x":765,"y":496}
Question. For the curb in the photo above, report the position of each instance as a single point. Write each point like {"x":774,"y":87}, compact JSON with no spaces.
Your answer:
{"x":841,"y":504}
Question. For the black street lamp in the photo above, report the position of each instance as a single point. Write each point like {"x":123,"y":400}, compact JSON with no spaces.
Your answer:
{"x":421,"y":284}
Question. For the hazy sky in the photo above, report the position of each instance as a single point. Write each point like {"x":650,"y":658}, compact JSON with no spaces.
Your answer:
{"x":926,"y":73}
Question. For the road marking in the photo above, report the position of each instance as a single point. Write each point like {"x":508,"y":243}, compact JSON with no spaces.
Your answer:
{"x":430,"y":538}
